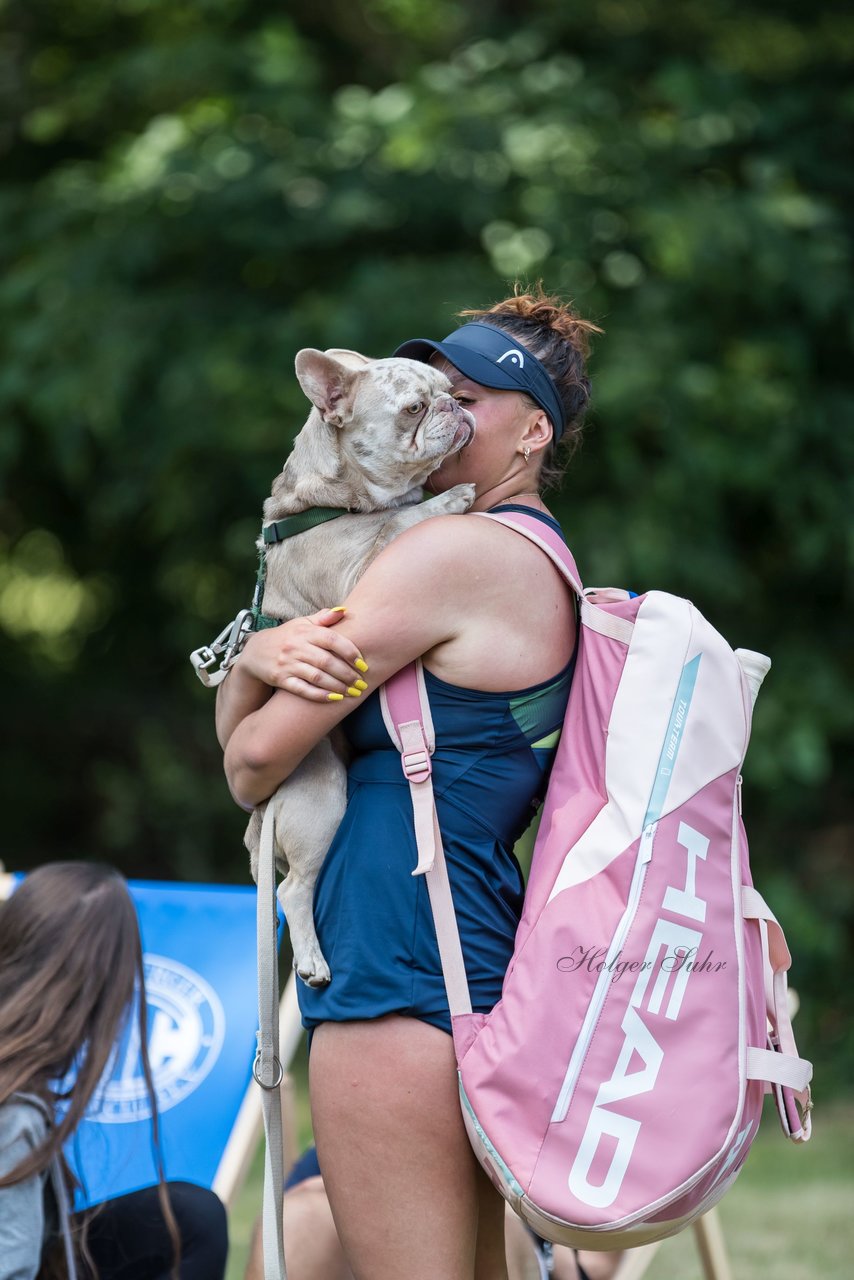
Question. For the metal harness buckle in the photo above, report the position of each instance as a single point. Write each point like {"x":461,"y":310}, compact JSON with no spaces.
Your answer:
{"x":229,"y":643}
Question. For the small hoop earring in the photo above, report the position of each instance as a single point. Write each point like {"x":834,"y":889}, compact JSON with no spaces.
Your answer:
{"x":526,"y":453}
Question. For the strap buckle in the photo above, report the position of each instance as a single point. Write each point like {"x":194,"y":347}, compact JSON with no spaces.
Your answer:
{"x":416,"y":765}
{"x":229,"y":643}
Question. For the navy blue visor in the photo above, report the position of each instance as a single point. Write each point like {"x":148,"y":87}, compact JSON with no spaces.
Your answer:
{"x":490,"y":356}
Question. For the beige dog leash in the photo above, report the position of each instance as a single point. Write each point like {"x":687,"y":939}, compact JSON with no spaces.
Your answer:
{"x":267,"y":1068}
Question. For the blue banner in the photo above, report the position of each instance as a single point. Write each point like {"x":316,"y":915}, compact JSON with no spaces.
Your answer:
{"x":200,"y":979}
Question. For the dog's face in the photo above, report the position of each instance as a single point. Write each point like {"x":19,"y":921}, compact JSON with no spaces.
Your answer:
{"x":393,"y":421}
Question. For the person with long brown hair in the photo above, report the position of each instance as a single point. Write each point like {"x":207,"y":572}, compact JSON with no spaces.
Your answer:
{"x":494,"y":625}
{"x":71,"y":974}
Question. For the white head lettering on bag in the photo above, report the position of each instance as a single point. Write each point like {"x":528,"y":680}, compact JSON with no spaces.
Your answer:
{"x":668,"y":937}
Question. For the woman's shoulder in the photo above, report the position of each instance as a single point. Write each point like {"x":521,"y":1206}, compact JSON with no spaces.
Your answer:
{"x":443,"y":535}
{"x":431,"y":548}
{"x":23,"y":1128}
{"x":450,"y":580}
{"x":453,"y":559}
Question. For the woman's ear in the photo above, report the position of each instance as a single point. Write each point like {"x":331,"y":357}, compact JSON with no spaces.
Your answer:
{"x":538,"y":432}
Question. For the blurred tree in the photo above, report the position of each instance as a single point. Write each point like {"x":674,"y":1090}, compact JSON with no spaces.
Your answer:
{"x":190,"y":193}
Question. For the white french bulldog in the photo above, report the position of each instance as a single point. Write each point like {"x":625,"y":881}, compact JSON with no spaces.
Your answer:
{"x":377,"y":430}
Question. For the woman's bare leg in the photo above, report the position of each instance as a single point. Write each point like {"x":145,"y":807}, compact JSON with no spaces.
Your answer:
{"x":406,"y":1192}
{"x":312,"y":1248}
{"x":491,"y":1256}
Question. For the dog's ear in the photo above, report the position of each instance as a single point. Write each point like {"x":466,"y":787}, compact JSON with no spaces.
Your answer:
{"x":350,"y":359}
{"x":327,"y":382}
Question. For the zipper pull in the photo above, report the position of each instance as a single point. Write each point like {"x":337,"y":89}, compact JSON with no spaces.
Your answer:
{"x":738,"y":783}
{"x":646,"y":842}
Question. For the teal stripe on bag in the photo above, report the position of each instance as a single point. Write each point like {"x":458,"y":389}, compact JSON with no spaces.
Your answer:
{"x":672,"y":740}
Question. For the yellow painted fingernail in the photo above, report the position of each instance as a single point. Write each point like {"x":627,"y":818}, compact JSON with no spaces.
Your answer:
{"x":339,"y":608}
{"x":354,"y":693}
{"x":335,"y":697}
{"x":361,"y":685}
{"x":360,"y":664}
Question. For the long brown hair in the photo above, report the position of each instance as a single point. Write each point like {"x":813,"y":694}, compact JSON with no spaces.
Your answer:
{"x":556,"y":334}
{"x":70,"y":968}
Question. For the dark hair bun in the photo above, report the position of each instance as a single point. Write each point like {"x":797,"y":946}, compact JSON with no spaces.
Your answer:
{"x":560,"y":339}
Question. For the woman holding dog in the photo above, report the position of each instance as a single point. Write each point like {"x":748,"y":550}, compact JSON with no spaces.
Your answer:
{"x":488,"y":613}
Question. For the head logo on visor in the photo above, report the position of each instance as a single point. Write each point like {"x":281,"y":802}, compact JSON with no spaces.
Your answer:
{"x":480,"y":352}
{"x":516,"y":357}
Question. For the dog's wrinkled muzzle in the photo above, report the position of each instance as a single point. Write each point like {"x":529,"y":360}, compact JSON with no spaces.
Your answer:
{"x":464,"y":434}
{"x":465,"y":429}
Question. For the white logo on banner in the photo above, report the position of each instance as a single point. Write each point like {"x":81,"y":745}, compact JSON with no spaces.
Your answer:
{"x":186,"y":1027}
{"x":515,"y":357}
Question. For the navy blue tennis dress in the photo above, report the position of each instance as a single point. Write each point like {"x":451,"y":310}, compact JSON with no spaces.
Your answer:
{"x":373,"y":917}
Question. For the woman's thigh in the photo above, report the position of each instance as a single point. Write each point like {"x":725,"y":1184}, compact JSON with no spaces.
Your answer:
{"x":406,"y":1192}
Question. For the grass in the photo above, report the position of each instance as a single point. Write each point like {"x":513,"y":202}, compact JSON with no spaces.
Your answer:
{"x":789,"y":1216}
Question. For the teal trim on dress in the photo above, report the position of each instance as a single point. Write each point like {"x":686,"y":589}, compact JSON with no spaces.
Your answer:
{"x":537,"y":712}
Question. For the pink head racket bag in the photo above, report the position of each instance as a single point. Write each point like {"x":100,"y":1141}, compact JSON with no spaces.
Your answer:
{"x":613,"y":1092}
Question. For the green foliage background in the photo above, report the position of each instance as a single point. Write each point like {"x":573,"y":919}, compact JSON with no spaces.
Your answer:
{"x":191,"y":192}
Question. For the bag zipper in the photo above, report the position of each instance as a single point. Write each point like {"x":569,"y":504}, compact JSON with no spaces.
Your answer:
{"x":603,"y":983}
{"x":685,"y":1187}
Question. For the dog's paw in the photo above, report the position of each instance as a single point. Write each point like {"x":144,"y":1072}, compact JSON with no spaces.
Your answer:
{"x":313,"y":970}
{"x":454,"y":501}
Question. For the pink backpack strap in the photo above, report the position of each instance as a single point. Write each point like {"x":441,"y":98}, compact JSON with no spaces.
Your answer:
{"x":779,"y":1064}
{"x":592,"y":616}
{"x":547,"y":538}
{"x":406,"y":712}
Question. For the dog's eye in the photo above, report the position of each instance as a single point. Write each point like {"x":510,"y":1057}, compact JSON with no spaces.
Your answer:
{"x":418,"y":407}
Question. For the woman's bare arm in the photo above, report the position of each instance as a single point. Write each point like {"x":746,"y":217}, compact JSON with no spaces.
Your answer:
{"x":305,"y":656}
{"x":237,"y":697}
{"x":409,"y":600}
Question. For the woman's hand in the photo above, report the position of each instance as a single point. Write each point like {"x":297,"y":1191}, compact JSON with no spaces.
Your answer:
{"x":307,"y":657}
